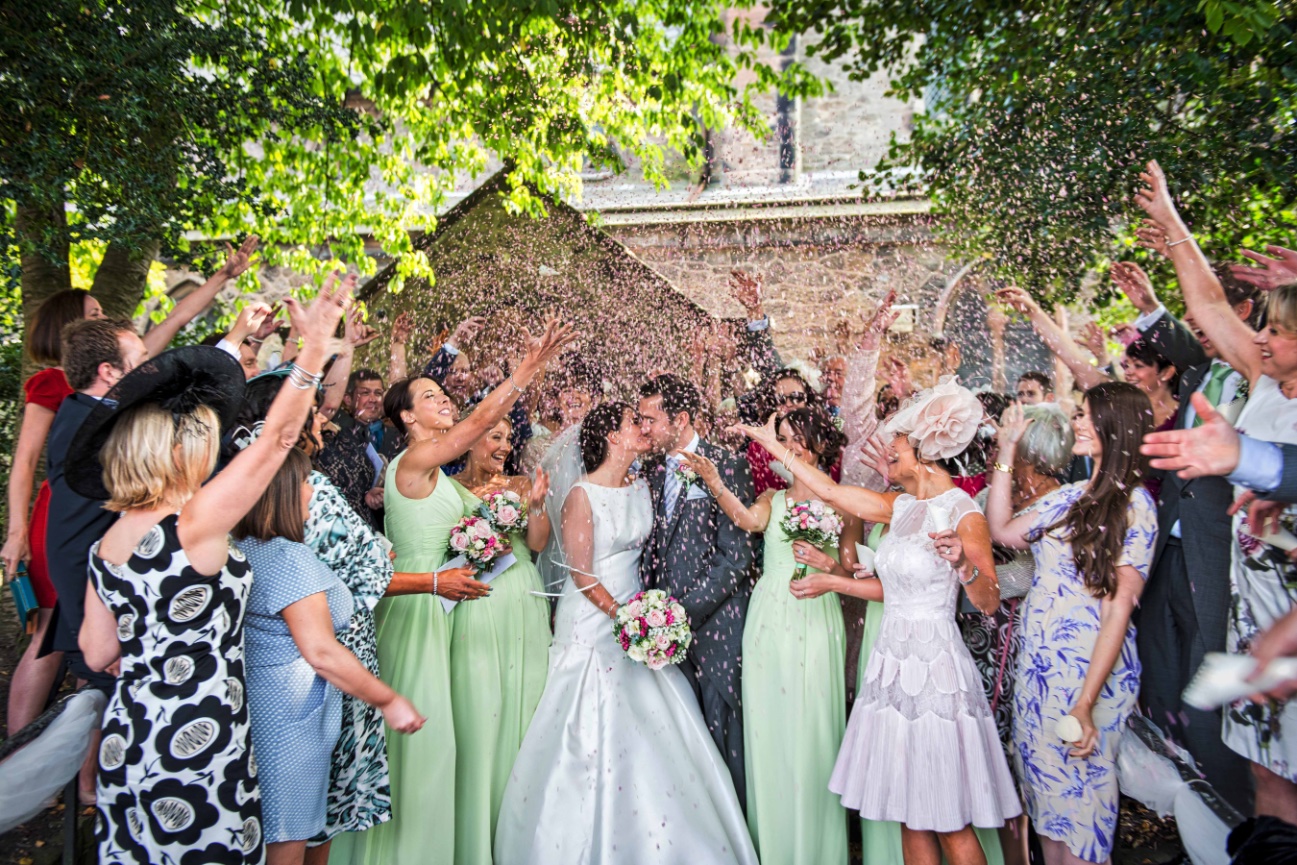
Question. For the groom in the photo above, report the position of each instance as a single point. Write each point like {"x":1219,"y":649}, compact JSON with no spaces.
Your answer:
{"x":697,"y":555}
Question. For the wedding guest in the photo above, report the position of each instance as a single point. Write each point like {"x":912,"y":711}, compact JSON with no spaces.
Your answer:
{"x":791,"y":646}
{"x":1261,"y":575}
{"x":296,"y":607}
{"x":566,"y":399}
{"x":254,"y":323}
{"x":356,"y":455}
{"x":786,"y":392}
{"x":1034,"y":387}
{"x":995,"y":640}
{"x":422,"y":507}
{"x":1093,"y":545}
{"x":698,"y":556}
{"x":499,"y":649}
{"x":1184,"y":613}
{"x":165,"y":583}
{"x":919,"y":749}
{"x":833,"y":374}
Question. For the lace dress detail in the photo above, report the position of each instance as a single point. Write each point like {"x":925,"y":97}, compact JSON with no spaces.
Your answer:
{"x":921,"y":746}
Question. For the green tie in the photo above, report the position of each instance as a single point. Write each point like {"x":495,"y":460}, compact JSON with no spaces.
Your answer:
{"x":1215,"y":385}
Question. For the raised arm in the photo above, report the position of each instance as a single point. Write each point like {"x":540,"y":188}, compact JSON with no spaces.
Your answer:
{"x":864,"y":504}
{"x":160,"y":335}
{"x":753,"y":518}
{"x":1052,"y":335}
{"x":1007,"y":530}
{"x":859,"y":393}
{"x":397,"y":369}
{"x":429,"y":455}
{"x":355,"y":334}
{"x":1203,"y":295}
{"x":578,"y":550}
{"x":218,"y":506}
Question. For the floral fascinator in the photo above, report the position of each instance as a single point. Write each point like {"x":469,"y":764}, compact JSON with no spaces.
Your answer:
{"x":941,"y":421}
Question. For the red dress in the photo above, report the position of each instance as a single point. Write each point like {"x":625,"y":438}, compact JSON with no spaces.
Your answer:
{"x":47,"y":388}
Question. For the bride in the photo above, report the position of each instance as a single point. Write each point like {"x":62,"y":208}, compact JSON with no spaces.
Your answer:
{"x":617,"y":765}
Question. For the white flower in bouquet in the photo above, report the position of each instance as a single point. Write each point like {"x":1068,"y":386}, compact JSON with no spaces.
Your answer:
{"x":652,"y":629}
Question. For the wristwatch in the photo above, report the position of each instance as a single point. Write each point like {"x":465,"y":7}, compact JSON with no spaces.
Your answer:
{"x":1001,"y":467}
{"x":972,"y":579}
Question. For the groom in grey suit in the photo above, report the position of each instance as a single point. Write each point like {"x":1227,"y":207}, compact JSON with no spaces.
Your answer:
{"x":697,"y":555}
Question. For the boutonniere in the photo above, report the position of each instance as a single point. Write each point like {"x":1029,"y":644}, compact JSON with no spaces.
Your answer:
{"x":686,"y":475}
{"x":1242,"y":391}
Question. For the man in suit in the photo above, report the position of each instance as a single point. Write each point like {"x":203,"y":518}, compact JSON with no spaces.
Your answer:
{"x":1184,"y":612}
{"x":697,"y":555}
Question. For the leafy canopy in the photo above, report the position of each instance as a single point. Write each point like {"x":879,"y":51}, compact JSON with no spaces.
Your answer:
{"x":1039,"y":115}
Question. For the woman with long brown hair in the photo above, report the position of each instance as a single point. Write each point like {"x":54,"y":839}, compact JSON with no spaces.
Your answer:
{"x":1093,"y":544}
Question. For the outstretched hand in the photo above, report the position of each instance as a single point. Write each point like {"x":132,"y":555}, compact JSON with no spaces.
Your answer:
{"x":1210,"y":449}
{"x":539,"y":489}
{"x":746,"y":289}
{"x":1272,"y":273}
{"x":544,"y":348}
{"x":766,"y":436}
{"x":878,"y":323}
{"x":1154,"y":197}
{"x":238,"y":261}
{"x":402,"y":328}
{"x":1013,"y":425}
{"x":318,"y":322}
{"x":704,"y":468}
{"x":1017,"y":299}
{"x":1135,"y":284}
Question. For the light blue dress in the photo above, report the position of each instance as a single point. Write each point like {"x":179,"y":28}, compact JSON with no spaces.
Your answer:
{"x":296,"y":715}
{"x":1071,"y":800}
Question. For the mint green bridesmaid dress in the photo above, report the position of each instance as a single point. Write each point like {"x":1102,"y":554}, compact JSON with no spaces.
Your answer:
{"x":414,"y":655}
{"x":499,"y":657}
{"x":794,"y":712}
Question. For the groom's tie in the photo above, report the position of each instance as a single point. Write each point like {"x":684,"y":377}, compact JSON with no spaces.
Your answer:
{"x":672,"y":489}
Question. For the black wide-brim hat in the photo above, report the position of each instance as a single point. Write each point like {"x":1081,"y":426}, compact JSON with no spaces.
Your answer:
{"x":179,"y":380}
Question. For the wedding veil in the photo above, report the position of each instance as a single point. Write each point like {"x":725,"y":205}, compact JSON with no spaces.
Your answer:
{"x":562,"y":462}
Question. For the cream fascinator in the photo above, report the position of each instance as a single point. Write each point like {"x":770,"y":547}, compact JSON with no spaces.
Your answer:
{"x":941,"y":422}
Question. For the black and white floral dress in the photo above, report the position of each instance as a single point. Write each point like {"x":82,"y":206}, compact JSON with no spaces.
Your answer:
{"x":360,"y":794}
{"x":177,"y":779}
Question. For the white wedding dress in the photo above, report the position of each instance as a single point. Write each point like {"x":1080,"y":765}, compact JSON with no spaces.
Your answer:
{"x":617,"y":765}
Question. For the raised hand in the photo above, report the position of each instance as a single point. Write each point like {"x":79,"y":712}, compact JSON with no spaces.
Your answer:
{"x":1093,"y":338}
{"x":539,"y":489}
{"x":1272,"y":273}
{"x":467,"y":330}
{"x":1017,"y":299}
{"x":356,"y":332}
{"x":766,"y":436}
{"x":238,"y":261}
{"x":704,"y":468}
{"x":1125,"y":333}
{"x":1154,"y":197}
{"x":746,"y":289}
{"x":402,"y":328}
{"x":1152,"y":235}
{"x":878,"y":323}
{"x":879,"y":456}
{"x":268,"y":324}
{"x":250,"y":319}
{"x":319,"y":321}
{"x":544,"y":348}
{"x":1135,"y":284}
{"x":1013,"y":425}
{"x":898,"y":376}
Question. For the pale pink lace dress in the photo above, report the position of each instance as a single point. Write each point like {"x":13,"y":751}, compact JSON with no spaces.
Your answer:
{"x":921,"y":746}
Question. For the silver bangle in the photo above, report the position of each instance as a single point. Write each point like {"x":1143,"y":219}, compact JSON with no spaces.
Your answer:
{"x":513,"y":384}
{"x":434,"y":582}
{"x":1185,"y":239}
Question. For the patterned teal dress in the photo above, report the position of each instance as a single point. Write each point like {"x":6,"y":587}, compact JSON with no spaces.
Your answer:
{"x":360,"y":795}
{"x":1070,"y":800}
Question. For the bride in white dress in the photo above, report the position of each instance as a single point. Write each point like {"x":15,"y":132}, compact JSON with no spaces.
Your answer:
{"x":617,"y":765}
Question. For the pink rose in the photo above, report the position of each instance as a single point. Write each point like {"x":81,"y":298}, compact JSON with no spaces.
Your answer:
{"x":662,"y":641}
{"x":656,"y":662}
{"x":508,"y":515}
{"x":459,"y":541}
{"x":656,"y":618}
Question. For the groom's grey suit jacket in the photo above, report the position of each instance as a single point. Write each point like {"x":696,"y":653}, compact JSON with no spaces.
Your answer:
{"x":699,"y":556}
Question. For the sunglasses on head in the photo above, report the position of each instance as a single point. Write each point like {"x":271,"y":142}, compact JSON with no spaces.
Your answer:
{"x":795,"y":396}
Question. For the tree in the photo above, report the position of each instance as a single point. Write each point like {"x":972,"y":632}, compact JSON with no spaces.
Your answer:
{"x":316,"y":122}
{"x":1039,"y":115}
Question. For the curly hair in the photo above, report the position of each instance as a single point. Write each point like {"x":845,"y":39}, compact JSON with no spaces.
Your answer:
{"x":814,"y":427}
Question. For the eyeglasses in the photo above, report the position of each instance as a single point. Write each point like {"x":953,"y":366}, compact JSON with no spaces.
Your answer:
{"x":795,"y":396}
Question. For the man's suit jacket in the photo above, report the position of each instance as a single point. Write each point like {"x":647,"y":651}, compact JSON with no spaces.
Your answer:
{"x":699,"y":556}
{"x":1198,"y":504}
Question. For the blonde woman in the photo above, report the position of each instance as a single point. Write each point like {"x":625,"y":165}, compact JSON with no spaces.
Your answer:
{"x":168,"y":591}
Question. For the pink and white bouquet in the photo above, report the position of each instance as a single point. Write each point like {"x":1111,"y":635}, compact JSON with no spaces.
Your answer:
{"x":474,"y":538}
{"x":505,"y":510}
{"x":814,"y":522}
{"x":652,"y":629}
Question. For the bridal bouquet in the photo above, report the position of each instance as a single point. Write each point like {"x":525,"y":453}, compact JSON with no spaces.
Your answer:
{"x":504,"y":510}
{"x":814,"y":522}
{"x":474,"y":538}
{"x":652,"y":629}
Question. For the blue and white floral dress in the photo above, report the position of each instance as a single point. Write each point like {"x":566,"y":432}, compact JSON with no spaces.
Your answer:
{"x":1068,"y":799}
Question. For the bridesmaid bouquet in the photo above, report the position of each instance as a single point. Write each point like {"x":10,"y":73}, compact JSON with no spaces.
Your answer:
{"x":504,"y":510}
{"x":652,"y":629}
{"x":813,"y":522}
{"x":475,"y":539}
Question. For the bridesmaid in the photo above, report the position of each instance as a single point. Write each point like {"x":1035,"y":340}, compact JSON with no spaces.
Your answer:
{"x":794,"y":654}
{"x":422,"y":506}
{"x":499,"y":653}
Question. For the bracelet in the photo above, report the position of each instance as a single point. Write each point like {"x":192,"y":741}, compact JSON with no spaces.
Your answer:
{"x":784,"y":459}
{"x":1185,"y":239}
{"x":434,"y":582}
{"x":513,"y":384}
{"x":1001,"y":467}
{"x":972,"y":579}
{"x":303,"y":380}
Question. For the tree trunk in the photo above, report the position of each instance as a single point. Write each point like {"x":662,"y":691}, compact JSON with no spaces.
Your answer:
{"x":123,"y":275}
{"x":43,"y":245}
